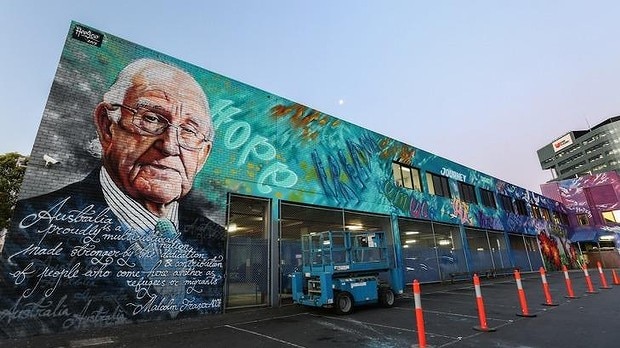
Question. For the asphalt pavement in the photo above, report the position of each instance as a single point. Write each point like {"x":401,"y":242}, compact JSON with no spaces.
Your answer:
{"x":450,"y":314}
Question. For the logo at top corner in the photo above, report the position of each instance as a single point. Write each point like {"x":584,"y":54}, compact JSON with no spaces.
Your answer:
{"x":87,"y":35}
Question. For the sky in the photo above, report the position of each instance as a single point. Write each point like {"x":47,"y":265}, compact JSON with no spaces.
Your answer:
{"x":482,"y":83}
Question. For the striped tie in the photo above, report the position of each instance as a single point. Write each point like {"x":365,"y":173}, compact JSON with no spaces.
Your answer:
{"x":171,"y":260}
{"x":165,"y":228}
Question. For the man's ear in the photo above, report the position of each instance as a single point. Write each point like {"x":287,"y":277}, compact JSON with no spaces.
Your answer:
{"x":206,"y":151}
{"x":103,"y":122}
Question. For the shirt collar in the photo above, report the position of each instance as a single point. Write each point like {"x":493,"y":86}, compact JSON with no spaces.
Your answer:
{"x":130,"y":212}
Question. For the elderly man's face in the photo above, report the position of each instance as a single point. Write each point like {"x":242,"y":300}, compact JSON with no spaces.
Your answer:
{"x":155,"y":169}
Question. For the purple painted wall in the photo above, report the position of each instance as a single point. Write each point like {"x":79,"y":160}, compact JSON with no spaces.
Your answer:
{"x":591,"y":195}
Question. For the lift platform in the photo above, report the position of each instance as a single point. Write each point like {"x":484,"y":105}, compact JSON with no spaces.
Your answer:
{"x":341,"y":269}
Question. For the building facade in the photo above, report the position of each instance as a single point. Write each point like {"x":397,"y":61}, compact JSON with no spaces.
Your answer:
{"x":583,"y":152}
{"x":593,"y":211}
{"x":158,"y":190}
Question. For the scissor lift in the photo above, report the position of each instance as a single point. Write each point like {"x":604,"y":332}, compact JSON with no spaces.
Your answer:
{"x":341,"y":269}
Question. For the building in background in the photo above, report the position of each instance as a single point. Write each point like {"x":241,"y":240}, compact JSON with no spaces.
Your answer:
{"x":583,"y":152}
{"x":593,"y":208}
{"x":584,"y":165}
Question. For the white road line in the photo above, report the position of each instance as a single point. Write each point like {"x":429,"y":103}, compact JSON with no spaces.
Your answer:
{"x":380,"y":325}
{"x":466,"y":316}
{"x":445,"y":300}
{"x":264,"y":336}
{"x":487,"y":303}
{"x":459,"y":339}
{"x":470,"y":293}
{"x":268,"y":319}
{"x":453,"y":314}
{"x":91,"y":342}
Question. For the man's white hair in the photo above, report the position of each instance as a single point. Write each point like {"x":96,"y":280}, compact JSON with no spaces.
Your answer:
{"x":150,"y":69}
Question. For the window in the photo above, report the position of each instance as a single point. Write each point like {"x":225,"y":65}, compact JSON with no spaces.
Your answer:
{"x":405,"y":176}
{"x":247,"y":255}
{"x":599,"y":167}
{"x":583,"y":219}
{"x":506,"y":203}
{"x":488,"y":198}
{"x":560,"y":218}
{"x":596,"y":147}
{"x":467,"y":192}
{"x":521,"y":207}
{"x":594,"y":158}
{"x":438,"y":185}
{"x":611,"y":217}
{"x":536,"y":212}
{"x":540,"y":213}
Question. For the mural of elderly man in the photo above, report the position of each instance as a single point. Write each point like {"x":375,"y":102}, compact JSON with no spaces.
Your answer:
{"x":130,"y":241}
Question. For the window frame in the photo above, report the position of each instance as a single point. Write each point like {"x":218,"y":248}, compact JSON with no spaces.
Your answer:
{"x":559,"y":218}
{"x":615,"y":215}
{"x":444,"y":187}
{"x":414,"y":177}
{"x":467,"y":192}
{"x":536,"y":213}
{"x":504,"y":200}
{"x":487,"y":198}
{"x":583,"y":219}
{"x":520,"y":207}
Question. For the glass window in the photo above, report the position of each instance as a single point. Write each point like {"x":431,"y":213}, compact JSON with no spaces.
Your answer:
{"x":583,"y":219}
{"x":479,"y":249}
{"x":521,"y":207}
{"x":611,"y":217}
{"x":419,"y":254}
{"x":449,"y":250}
{"x":499,"y":250}
{"x":519,"y":251}
{"x":534,"y":255}
{"x":467,"y":192}
{"x":438,"y":185}
{"x":247,"y":259}
{"x":406,"y":176}
{"x":359,"y":221}
{"x":297,"y":220}
{"x":536,"y":212}
{"x":506,"y":203}
{"x":488,"y":198}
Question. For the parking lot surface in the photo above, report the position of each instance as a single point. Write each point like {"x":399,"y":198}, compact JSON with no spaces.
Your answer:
{"x":449,"y":310}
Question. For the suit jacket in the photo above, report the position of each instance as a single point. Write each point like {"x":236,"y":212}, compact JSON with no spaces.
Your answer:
{"x":71,"y":264}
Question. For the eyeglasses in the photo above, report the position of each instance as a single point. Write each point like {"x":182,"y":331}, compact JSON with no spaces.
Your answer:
{"x":154,"y":124}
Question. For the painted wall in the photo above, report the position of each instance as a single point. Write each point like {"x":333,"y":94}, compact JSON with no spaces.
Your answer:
{"x":71,"y":261}
{"x":89,"y":251}
{"x":590,"y":195}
